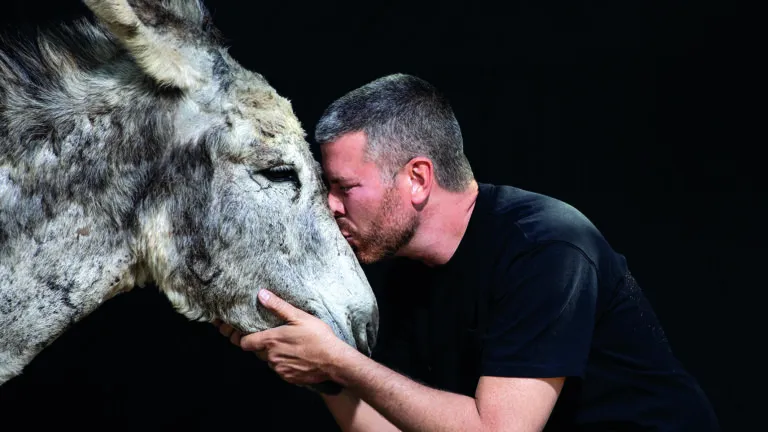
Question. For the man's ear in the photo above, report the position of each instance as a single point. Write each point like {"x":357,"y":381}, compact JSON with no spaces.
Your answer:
{"x":421,"y":175}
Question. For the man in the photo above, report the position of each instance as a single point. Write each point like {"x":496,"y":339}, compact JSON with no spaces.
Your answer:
{"x":507,"y":309}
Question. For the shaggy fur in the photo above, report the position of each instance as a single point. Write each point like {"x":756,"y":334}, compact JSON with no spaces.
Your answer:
{"x":133,"y":148}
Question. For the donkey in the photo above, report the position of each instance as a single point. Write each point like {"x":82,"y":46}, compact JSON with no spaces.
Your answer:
{"x":134,"y":149}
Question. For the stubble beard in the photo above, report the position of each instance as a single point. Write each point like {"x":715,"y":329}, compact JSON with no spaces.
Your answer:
{"x":389,"y":231}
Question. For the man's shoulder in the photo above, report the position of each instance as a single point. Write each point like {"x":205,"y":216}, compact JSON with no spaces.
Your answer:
{"x":536,"y":217}
{"x":516,"y":223}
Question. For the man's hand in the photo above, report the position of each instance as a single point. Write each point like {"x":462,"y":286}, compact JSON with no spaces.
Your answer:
{"x":228,"y":331}
{"x":305,"y":351}
{"x":301,"y":351}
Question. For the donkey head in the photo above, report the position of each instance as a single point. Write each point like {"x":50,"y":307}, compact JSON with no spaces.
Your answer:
{"x":236,"y":201}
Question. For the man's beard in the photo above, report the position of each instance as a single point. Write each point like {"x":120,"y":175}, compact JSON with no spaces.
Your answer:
{"x":388,"y":232}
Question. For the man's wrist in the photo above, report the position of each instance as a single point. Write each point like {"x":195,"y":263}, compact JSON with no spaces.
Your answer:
{"x":342,"y":359}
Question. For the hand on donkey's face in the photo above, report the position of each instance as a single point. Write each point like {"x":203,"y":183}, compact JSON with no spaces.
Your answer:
{"x":235,"y":336}
{"x":228,"y":331}
{"x":301,"y":351}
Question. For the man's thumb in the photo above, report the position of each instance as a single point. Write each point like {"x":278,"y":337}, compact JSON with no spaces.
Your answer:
{"x":277,"y":305}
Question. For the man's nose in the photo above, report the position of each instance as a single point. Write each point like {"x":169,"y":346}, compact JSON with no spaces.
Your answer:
{"x":337,"y":207}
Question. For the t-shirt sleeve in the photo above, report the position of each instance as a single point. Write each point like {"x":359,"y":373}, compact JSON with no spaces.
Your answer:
{"x":541,"y":315}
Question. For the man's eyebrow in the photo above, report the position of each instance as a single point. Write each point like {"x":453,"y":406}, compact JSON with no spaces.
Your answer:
{"x":334,"y":180}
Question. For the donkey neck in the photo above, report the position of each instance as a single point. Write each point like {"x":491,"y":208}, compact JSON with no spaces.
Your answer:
{"x":85,"y":264}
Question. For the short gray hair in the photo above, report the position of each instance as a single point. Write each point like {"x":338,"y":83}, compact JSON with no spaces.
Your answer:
{"x":402,"y":117}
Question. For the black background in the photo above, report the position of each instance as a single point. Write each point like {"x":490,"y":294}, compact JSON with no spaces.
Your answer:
{"x":637,"y":113}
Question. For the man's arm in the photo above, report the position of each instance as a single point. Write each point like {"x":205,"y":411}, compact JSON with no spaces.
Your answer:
{"x":305,"y":351}
{"x":508,"y":404}
{"x":540,"y":329}
{"x":354,"y":415}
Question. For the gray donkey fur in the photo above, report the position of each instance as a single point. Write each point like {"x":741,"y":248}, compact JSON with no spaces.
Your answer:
{"x":134,"y":149}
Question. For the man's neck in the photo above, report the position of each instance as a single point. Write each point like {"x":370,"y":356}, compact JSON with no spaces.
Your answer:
{"x":443,"y":224}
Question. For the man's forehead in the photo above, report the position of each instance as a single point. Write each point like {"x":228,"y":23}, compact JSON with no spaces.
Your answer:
{"x":348,"y":145}
{"x":342,"y":158}
{"x":337,"y":170}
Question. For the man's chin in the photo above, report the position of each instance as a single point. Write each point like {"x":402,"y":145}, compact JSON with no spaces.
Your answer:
{"x":367,"y":256}
{"x":364,"y":256}
{"x":360,"y":254}
{"x":367,"y":260}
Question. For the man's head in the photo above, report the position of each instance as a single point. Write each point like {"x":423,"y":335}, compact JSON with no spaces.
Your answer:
{"x":385,"y":146}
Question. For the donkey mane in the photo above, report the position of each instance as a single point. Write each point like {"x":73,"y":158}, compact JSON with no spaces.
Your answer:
{"x":76,"y":74}
{"x":86,"y":43}
{"x":42,"y":74}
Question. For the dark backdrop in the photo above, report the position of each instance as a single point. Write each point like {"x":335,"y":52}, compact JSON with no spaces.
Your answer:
{"x":634,"y":112}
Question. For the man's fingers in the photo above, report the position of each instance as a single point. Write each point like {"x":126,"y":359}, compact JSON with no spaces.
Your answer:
{"x":226,"y":329}
{"x":279,"y":306}
{"x":235,"y":337}
{"x":261,"y":355}
{"x":255,"y":341}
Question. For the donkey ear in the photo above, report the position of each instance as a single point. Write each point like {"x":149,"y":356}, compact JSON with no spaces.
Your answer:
{"x":162,"y":56}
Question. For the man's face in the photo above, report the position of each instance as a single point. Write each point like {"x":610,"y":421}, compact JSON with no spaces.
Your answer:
{"x":375,"y":216}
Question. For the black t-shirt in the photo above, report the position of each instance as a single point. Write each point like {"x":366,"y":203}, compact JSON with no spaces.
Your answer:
{"x":534,"y":290}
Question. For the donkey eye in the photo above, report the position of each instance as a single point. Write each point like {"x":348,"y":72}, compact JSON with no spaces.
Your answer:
{"x":282,"y":173}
